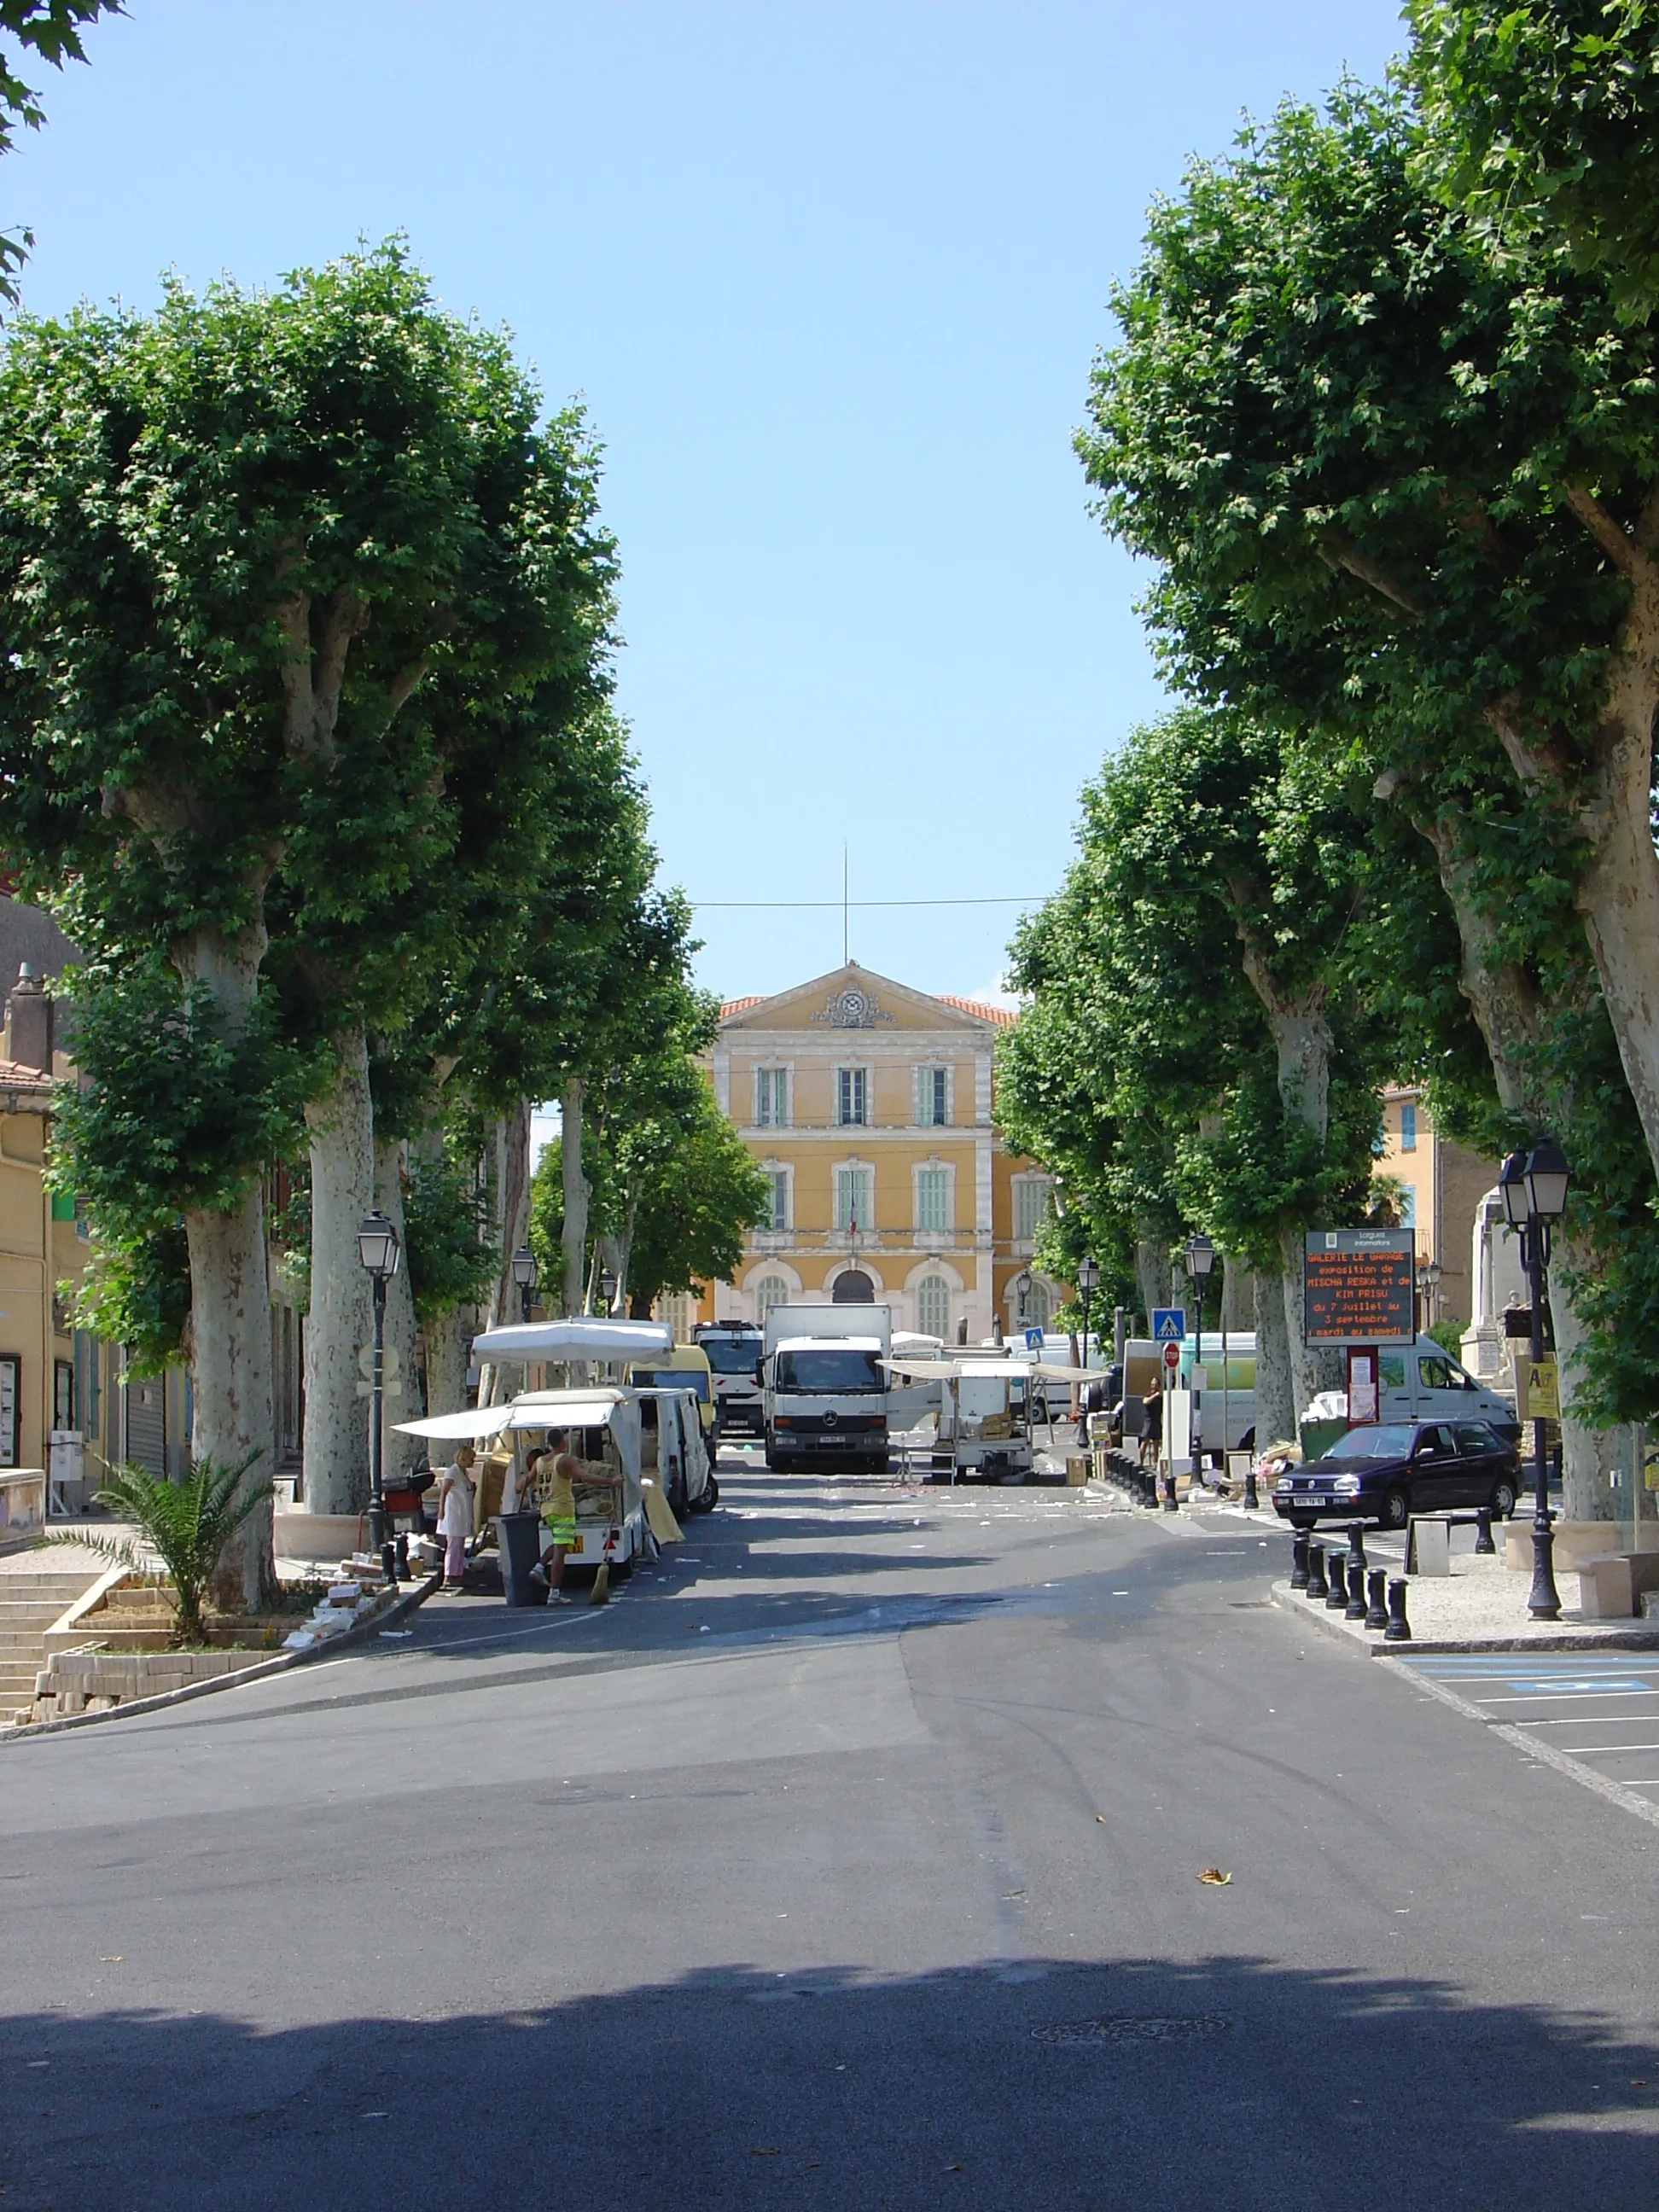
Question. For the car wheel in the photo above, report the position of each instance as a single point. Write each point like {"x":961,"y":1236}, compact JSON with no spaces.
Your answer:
{"x":711,"y":1496}
{"x":1396,"y":1508}
{"x":1503,"y":1500}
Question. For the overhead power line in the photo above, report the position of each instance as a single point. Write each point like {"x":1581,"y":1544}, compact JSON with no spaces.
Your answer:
{"x":796,"y":906}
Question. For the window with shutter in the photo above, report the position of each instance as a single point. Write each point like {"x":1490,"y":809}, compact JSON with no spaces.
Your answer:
{"x":770,"y":1290}
{"x":1031,"y":1197}
{"x":932,"y":1199}
{"x":934,"y":1307}
{"x":932,"y":1096}
{"x":772,"y":1097}
{"x":853,"y":1206}
{"x":851,"y":1097}
{"x":779,"y":1216}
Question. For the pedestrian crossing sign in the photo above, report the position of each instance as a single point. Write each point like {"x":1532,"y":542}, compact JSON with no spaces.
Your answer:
{"x":1169,"y":1324}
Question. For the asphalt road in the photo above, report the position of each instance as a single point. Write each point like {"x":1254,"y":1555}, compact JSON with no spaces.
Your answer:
{"x":851,"y":1859}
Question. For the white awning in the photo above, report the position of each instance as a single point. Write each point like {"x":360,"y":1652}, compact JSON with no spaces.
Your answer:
{"x":571,"y":1412}
{"x":464,"y":1427}
{"x":577,"y":1336}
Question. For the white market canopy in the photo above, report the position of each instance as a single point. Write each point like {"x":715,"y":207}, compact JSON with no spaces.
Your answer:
{"x":577,"y":1336}
{"x":469,"y":1426}
{"x":1011,"y":1370}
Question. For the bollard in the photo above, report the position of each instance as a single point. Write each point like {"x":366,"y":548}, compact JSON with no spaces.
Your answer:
{"x":1336,"y":1566}
{"x":1398,"y":1630}
{"x":1317,"y":1586}
{"x":1171,"y":1502}
{"x":1299,"y":1559}
{"x":1357,"y":1546}
{"x":1357,"y":1607}
{"x":1252,"y":1503}
{"x":1377,"y":1612}
{"x":1483,"y":1542}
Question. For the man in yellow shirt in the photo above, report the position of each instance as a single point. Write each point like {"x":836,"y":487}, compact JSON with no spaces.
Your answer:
{"x":559,"y":1509}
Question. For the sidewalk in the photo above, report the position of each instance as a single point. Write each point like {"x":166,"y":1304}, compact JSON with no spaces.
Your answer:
{"x":1480,"y":1606}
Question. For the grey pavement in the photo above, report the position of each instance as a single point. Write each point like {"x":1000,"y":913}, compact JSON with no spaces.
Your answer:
{"x":850,"y":1858}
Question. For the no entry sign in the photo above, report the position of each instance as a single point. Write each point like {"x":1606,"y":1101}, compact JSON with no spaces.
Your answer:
{"x":1360,"y":1287}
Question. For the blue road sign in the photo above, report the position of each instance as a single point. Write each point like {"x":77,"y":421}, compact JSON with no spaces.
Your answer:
{"x":1033,"y":1339}
{"x":1169,"y":1324}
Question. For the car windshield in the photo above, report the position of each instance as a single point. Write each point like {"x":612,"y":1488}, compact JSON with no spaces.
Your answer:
{"x":1392,"y":1441}
{"x":673,"y":1378}
{"x":829,"y":1370}
{"x":733,"y":1355}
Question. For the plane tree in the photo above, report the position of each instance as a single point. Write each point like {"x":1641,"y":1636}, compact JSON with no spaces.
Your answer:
{"x":250,"y":542}
{"x":1384,"y":469}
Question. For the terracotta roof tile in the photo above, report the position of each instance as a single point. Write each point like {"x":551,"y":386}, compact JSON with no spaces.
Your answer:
{"x":1002,"y":1016}
{"x":736,"y":1005}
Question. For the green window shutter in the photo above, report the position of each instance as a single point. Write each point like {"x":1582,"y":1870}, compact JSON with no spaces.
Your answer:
{"x":63,"y":1205}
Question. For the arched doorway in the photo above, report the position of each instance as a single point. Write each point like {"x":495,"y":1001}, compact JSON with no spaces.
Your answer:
{"x":854,"y":1288}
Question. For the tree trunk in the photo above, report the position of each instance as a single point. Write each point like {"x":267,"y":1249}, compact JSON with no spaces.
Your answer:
{"x":1151,"y":1275}
{"x":1588,"y":1457}
{"x":230,"y":1380}
{"x":498,"y":1379}
{"x":402,"y":1452}
{"x":1617,"y":895}
{"x":445,"y":1362}
{"x":576,"y":1192}
{"x":1302,"y":1361}
{"x":341,"y":1125}
{"x":1275,"y":1412}
{"x":230,"y":1297}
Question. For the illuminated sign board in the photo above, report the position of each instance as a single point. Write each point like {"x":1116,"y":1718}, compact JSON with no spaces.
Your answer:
{"x":1360,"y":1287}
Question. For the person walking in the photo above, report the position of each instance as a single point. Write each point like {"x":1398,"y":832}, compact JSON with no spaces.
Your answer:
{"x":455,"y":1514}
{"x":1152,"y":1422}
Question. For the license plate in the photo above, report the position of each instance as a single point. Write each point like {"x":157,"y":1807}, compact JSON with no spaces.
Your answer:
{"x":1315,"y":1498}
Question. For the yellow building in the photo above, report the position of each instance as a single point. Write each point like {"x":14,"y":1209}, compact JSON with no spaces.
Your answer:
{"x":1444,"y":1188}
{"x":870,"y":1106}
{"x":44,"y":1361}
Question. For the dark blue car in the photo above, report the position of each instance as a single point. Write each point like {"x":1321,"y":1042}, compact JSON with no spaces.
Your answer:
{"x":1389,"y":1470}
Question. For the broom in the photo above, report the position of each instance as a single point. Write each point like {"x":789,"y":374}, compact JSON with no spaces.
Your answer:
{"x":600,"y":1593}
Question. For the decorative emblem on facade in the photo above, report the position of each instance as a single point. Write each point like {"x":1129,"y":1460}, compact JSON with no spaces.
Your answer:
{"x":851,"y":1010}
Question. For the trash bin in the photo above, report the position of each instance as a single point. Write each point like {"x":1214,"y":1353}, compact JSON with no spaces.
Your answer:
{"x":519,"y":1541}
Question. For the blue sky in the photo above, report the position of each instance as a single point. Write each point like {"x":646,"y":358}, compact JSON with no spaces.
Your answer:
{"x":828,"y":279}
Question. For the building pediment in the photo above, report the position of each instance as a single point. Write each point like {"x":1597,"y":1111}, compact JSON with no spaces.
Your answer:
{"x":852,"y":999}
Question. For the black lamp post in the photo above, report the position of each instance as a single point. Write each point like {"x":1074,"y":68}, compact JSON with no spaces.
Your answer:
{"x":381,"y":1252}
{"x":1200,"y":1258}
{"x":1534,"y":1188}
{"x":1088,"y":1276}
{"x":607,"y":1290}
{"x":526,"y":1276}
{"x":1428,"y":1282}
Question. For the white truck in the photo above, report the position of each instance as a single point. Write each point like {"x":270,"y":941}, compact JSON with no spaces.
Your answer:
{"x":824,"y":1386}
{"x":733,"y":1349}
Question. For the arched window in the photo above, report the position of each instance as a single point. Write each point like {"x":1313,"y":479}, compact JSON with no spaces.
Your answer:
{"x":854,"y":1288}
{"x":934,"y":1307}
{"x":770,"y":1290}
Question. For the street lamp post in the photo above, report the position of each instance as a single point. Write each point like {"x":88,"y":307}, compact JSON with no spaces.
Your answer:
{"x":1088,"y":1275}
{"x":1428,"y":1282}
{"x":381,"y":1252}
{"x":607,"y":1290}
{"x":1200,"y":1258}
{"x":526,"y":1276}
{"x":1534,"y":1188}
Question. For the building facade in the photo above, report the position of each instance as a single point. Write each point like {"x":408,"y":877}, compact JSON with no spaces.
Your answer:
{"x":1443,"y":1189}
{"x":871,"y":1108}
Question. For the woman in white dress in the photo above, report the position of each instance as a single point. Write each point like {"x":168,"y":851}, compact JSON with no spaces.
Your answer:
{"x":455,"y":1514}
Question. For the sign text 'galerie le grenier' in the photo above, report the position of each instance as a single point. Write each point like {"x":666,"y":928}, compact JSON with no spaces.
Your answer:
{"x":1361,"y":1286}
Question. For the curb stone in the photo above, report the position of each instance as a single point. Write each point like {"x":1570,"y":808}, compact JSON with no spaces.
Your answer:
{"x":26,"y":1731}
{"x":1633,"y":1639}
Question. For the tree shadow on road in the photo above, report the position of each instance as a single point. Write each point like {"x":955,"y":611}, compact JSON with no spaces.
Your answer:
{"x":1159,"y":2085}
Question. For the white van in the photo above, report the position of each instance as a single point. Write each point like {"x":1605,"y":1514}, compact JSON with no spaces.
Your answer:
{"x":1417,"y":1382}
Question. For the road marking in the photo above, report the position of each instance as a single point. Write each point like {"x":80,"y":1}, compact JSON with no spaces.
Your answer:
{"x":1568,"y":1691}
{"x":1536,"y":1747}
{"x":1583,"y":1751}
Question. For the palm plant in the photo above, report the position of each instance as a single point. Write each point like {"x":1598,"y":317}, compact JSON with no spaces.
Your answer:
{"x":186,"y":1524}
